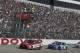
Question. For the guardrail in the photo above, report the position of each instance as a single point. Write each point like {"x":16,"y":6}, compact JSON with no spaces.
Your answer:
{"x":17,"y":41}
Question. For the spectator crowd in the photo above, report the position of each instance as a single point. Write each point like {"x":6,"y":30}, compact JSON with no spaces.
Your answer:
{"x":56,"y":24}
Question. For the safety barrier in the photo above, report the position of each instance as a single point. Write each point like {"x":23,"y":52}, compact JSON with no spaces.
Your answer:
{"x":17,"y":41}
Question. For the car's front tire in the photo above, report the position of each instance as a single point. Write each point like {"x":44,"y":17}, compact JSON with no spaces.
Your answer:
{"x":59,"y":48}
{"x":39,"y":48}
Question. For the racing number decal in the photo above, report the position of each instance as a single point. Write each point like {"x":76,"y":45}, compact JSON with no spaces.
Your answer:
{"x":36,"y":45}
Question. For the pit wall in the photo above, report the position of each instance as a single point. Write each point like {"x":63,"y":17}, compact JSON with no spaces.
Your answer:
{"x":49,"y":41}
{"x":17,"y":41}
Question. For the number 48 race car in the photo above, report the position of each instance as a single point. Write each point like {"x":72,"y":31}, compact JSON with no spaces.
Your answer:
{"x":31,"y":44}
{"x":58,"y":46}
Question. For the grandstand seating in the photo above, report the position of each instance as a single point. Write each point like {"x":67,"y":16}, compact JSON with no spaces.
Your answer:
{"x":56,"y":24}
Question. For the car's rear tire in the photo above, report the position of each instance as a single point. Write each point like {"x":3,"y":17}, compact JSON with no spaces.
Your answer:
{"x":66,"y":48}
{"x":21,"y":47}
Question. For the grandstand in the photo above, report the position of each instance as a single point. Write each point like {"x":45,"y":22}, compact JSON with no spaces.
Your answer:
{"x":61,"y":23}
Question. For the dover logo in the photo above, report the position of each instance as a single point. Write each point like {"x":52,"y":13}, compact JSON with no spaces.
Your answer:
{"x":10,"y":41}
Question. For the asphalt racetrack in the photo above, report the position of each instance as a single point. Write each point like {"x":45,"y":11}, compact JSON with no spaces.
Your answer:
{"x":15,"y":49}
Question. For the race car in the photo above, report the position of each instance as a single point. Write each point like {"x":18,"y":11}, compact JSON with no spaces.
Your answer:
{"x":77,"y":45}
{"x":31,"y":44}
{"x":58,"y":46}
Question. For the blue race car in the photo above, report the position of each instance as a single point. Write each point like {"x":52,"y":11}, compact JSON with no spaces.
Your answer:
{"x":58,"y":46}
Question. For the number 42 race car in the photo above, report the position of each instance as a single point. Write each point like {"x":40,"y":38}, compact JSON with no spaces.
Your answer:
{"x":58,"y":45}
{"x":31,"y":44}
